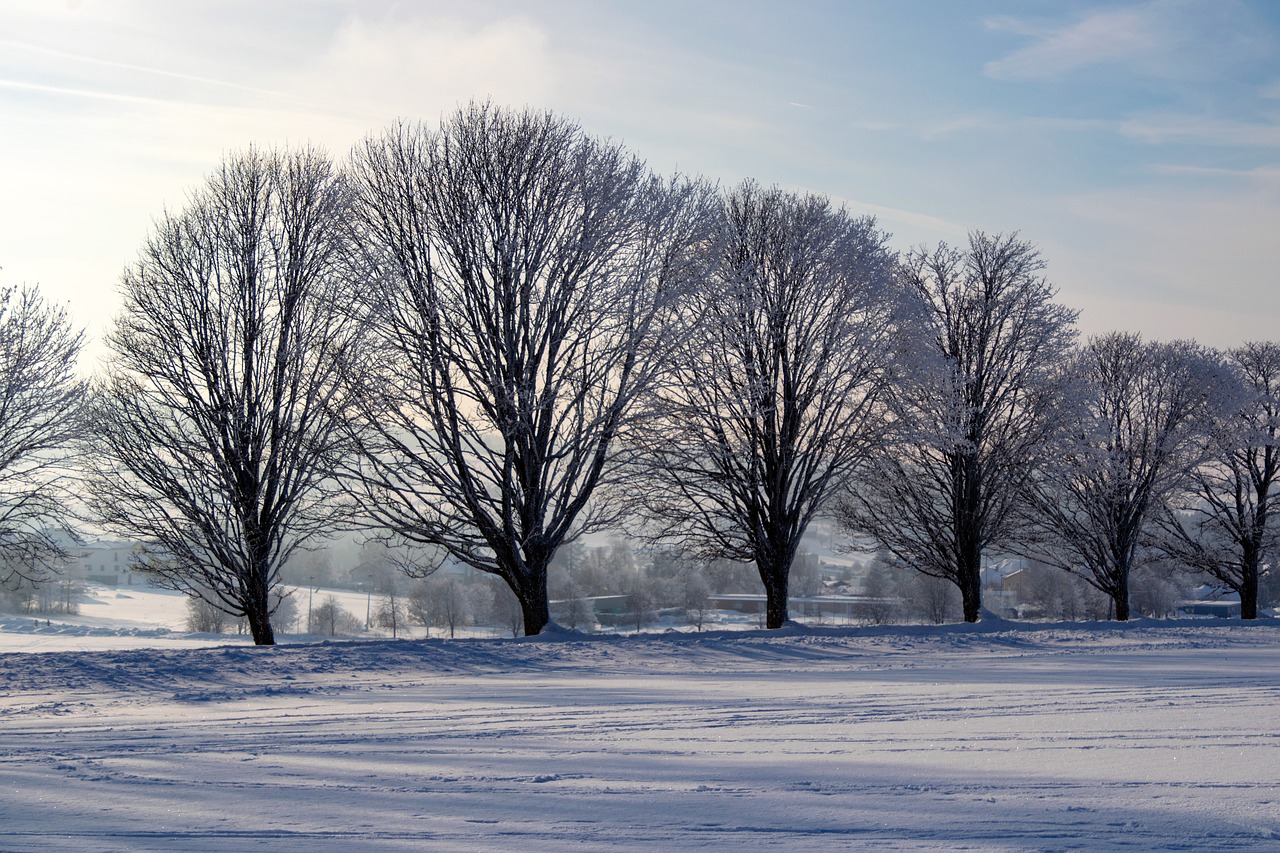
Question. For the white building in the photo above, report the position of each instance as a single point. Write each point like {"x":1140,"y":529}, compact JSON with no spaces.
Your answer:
{"x":109,"y":562}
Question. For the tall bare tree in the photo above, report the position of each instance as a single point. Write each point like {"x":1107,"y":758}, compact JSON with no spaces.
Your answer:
{"x":1222,"y":526}
{"x":1148,"y":408}
{"x":772,"y":397}
{"x":525,"y":270}
{"x":976,"y":398}
{"x":40,"y":418}
{"x":216,"y":427}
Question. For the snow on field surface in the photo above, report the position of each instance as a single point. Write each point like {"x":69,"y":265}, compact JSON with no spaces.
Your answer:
{"x":133,"y":618}
{"x":1152,"y":736}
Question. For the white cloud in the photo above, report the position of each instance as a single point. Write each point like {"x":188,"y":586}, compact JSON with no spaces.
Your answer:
{"x":1102,"y":37}
{"x":1177,"y":40}
{"x":62,"y":57}
{"x":1261,"y":174}
{"x":100,"y":138}
{"x":419,"y":67}
{"x":114,"y":115}
{"x":919,"y":227}
{"x":1175,"y":127}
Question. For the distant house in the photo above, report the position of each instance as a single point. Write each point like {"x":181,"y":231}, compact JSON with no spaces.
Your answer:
{"x":1210,"y":600}
{"x":1015,"y":584}
{"x":110,"y":562}
{"x":1223,"y":609}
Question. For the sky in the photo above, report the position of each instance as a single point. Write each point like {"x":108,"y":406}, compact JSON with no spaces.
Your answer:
{"x":1137,"y":144}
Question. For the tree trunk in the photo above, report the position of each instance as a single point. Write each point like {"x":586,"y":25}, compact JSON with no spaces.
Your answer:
{"x":776,"y":583}
{"x":260,"y":627}
{"x":257,"y":609}
{"x":1249,"y":581}
{"x":969,"y":551}
{"x":1120,"y":597}
{"x":775,"y":575}
{"x":534,"y":604}
{"x":1249,"y":591}
{"x":971,"y":595}
{"x":969,"y":578}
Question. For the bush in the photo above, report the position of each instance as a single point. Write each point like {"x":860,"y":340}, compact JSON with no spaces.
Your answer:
{"x":933,"y":600}
{"x":204,"y":618}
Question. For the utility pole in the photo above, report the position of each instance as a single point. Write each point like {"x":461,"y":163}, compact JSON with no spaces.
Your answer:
{"x":368,"y":602}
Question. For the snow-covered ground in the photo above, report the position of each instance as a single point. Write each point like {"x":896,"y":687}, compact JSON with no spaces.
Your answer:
{"x":994,"y":738}
{"x":138,"y":617}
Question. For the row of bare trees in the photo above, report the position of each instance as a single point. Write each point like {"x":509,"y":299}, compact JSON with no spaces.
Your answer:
{"x":492,"y":336}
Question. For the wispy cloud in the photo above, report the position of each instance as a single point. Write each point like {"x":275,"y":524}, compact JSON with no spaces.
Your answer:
{"x":76,"y":92}
{"x":1202,"y":130}
{"x":935,"y":128}
{"x":1159,"y":39}
{"x":992,"y":121}
{"x":40,"y":50}
{"x":1102,"y":37}
{"x":1260,"y":175}
{"x":934,"y":225}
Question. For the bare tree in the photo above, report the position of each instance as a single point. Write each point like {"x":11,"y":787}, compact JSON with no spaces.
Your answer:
{"x":62,"y":596}
{"x":418,"y":604}
{"x":931,"y":598}
{"x":975,"y":402}
{"x":204,"y":618}
{"x":575,"y":610}
{"x":1055,"y":594}
{"x":1156,"y":590}
{"x":505,"y":611}
{"x":771,"y":398}
{"x":642,"y":603}
{"x":1221,"y":527}
{"x":525,"y":270}
{"x":881,"y":587}
{"x":40,"y":419}
{"x":391,"y":612}
{"x":216,"y":427}
{"x":332,"y":619}
{"x":579,"y":613}
{"x":696,"y":598}
{"x":1143,"y":433}
{"x":452,"y":603}
{"x":285,"y":611}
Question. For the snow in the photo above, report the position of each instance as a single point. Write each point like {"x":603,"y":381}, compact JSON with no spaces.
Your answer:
{"x":137,"y":617}
{"x":995,"y":737}
{"x":109,"y":618}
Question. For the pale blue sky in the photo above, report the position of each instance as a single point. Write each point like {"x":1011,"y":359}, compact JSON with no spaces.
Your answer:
{"x":1137,"y":143}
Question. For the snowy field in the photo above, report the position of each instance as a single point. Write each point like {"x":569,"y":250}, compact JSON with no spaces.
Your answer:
{"x":136,"y":618}
{"x":995,"y":738}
